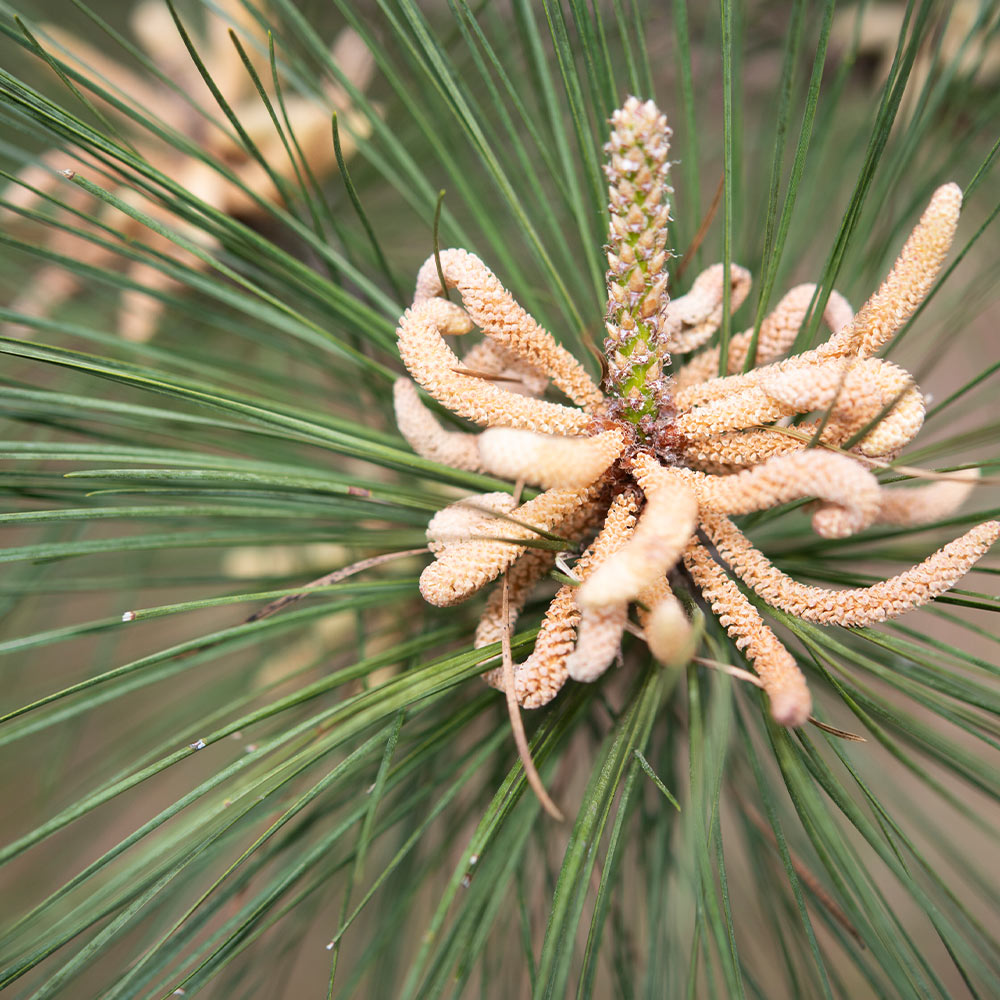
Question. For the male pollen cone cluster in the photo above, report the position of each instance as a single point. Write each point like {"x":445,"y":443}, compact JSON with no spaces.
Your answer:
{"x":646,"y":472}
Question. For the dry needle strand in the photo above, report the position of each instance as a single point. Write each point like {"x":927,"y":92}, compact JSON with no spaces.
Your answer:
{"x":784,"y":683}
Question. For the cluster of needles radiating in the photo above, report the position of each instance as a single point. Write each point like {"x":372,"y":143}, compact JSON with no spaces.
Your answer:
{"x":179,"y":109}
{"x":646,"y":472}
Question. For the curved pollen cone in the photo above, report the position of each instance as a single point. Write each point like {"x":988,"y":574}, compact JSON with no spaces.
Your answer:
{"x":907,"y":283}
{"x":665,"y":525}
{"x":436,"y":367}
{"x":466,"y":566}
{"x":493,"y":309}
{"x":791,"y":703}
{"x":539,"y":679}
{"x":856,"y":392}
{"x":528,"y":570}
{"x":735,"y":451}
{"x":777,"y":334}
{"x":461,"y":520}
{"x":909,"y":506}
{"x":521,"y":580}
{"x":426,"y":436}
{"x":692,"y":318}
{"x":667,"y":629}
{"x":882,"y":601}
{"x":489,"y":360}
{"x":598,"y":642}
{"x":547,"y":460}
{"x":851,"y":492}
